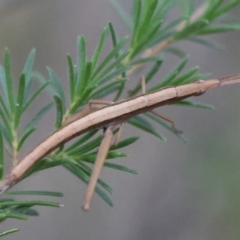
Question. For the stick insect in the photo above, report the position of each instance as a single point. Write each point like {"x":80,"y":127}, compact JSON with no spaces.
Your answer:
{"x":111,"y":115}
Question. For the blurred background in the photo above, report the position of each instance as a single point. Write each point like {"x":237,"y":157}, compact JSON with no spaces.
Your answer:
{"x":183,"y":191}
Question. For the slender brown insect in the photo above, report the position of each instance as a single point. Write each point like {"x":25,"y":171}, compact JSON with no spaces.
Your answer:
{"x":110,"y":116}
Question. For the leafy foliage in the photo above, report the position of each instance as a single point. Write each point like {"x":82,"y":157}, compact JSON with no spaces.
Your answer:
{"x":21,"y":210}
{"x":97,"y":77}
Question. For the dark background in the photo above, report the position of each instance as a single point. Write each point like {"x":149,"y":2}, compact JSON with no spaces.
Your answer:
{"x":183,"y":191}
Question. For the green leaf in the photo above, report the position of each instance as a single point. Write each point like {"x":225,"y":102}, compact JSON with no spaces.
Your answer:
{"x":86,"y":147}
{"x":146,"y":60}
{"x":3,"y":216}
{"x":192,"y":78}
{"x":99,"y":47}
{"x":16,"y":216}
{"x":165,"y":7}
{"x":136,"y":12}
{"x":30,"y":203}
{"x":212,"y":8}
{"x":144,"y":121}
{"x":9,"y":83}
{"x":8,"y":232}
{"x":206,"y":43}
{"x":6,"y":134}
{"x":28,"y":103}
{"x":219,"y":29}
{"x":37,"y":193}
{"x":191,"y":29}
{"x":124,"y":143}
{"x":141,"y":45}
{"x":81,"y":65}
{"x":188,"y":103}
{"x":24,"y":136}
{"x":38,"y":116}
{"x":29,"y":212}
{"x":6,"y":126}
{"x":167,"y":81}
{"x":119,"y":89}
{"x":1,"y":156}
{"x":114,"y":74}
{"x":19,"y":103}
{"x":113,"y":65}
{"x":27,"y":71}
{"x":183,"y":78}
{"x":57,"y":86}
{"x":187,"y":7}
{"x":113,"y":35}
{"x":4,"y":108}
{"x":126,"y":19}
{"x":82,"y":140}
{"x":71,"y":78}
{"x":86,"y":77}
{"x":140,"y":124}
{"x":107,"y":89}
{"x":59,"y":110}
{"x":91,"y":157}
{"x":225,"y":9}
{"x":50,"y":162}
{"x":173,"y":24}
{"x":120,"y":168}
{"x":146,"y":20}
{"x":109,"y":57}
{"x":154,"y":70}
{"x":6,"y":199}
{"x":175,"y":51}
{"x":3,"y":82}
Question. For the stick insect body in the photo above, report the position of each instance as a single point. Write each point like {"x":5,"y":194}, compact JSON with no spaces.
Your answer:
{"x":110,"y":116}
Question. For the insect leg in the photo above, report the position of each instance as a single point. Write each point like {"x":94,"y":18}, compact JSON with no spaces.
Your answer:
{"x":166,"y":119}
{"x":101,"y":156}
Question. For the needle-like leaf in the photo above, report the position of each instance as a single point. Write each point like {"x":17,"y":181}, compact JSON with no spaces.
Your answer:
{"x":140,"y":124}
{"x":120,"y":168}
{"x":27,"y":132}
{"x":124,"y":143}
{"x":81,"y":65}
{"x":1,"y":156}
{"x":59,"y":110}
{"x":126,"y":19}
{"x":8,"y":231}
{"x":27,"y":71}
{"x":109,"y":57}
{"x":28,"y":103}
{"x":188,"y":103}
{"x":58,"y":89}
{"x":37,"y":193}
{"x":20,"y":101}
{"x":99,"y":47}
{"x":8,"y":79}
{"x":82,"y":140}
{"x":71,"y":77}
